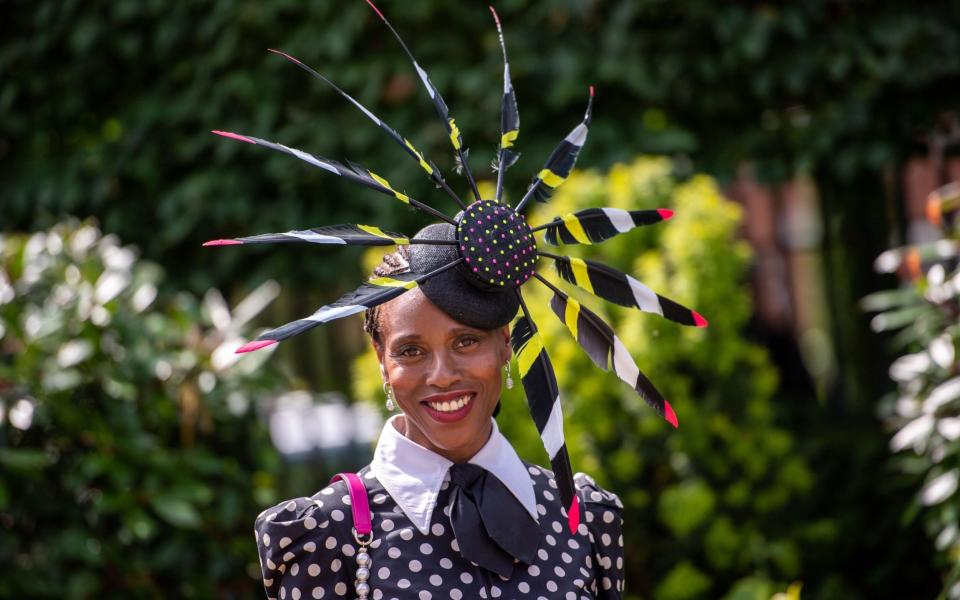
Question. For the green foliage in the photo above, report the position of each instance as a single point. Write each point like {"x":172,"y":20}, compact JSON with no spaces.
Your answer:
{"x":132,"y":462}
{"x":107,"y":105}
{"x":683,"y":582}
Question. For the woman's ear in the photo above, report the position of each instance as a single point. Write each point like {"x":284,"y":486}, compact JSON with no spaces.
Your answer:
{"x":378,"y":348}
{"x":507,"y":348}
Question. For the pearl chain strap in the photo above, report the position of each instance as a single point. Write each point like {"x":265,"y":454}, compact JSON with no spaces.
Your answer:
{"x":364,"y":563}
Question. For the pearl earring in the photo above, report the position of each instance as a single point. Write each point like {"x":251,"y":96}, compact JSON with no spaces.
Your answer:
{"x":388,"y":392}
{"x":506,"y":369}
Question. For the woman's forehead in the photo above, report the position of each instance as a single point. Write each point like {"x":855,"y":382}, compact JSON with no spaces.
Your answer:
{"x":414,"y":314}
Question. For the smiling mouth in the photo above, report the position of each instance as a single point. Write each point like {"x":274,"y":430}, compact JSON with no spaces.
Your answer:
{"x":451,"y":406}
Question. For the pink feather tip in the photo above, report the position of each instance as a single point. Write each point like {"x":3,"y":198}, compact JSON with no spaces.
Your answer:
{"x":254,"y":345}
{"x":698,"y":319}
{"x":591,"y":91}
{"x":234,"y":136}
{"x":573,"y":515}
{"x":376,"y":10}
{"x":285,"y":55}
{"x":222,"y":243}
{"x":495,"y":17}
{"x":669,"y":415}
{"x":665,"y":213}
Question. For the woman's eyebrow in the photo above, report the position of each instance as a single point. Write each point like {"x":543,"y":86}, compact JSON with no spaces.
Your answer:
{"x":407,"y":337}
{"x":463,"y":330}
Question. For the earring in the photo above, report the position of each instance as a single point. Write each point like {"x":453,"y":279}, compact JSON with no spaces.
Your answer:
{"x":506,"y":369}
{"x":388,"y":392}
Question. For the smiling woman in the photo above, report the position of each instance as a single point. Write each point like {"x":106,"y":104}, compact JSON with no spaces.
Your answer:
{"x":445,"y":376}
{"x":455,"y":512}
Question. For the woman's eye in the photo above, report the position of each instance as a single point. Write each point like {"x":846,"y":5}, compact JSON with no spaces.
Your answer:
{"x":466,"y":341}
{"x":408,"y":351}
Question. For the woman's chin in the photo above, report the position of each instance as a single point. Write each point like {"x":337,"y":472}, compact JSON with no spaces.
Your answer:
{"x":456,"y":432}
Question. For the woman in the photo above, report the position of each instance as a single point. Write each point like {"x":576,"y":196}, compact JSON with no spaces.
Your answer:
{"x":446,"y":378}
{"x":456,"y":513}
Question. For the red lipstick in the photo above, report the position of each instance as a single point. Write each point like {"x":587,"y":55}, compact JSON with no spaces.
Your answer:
{"x":453,"y":416}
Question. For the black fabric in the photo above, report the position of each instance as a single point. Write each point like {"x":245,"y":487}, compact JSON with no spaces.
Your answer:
{"x":491,"y":524}
{"x":307,"y":548}
{"x":457,"y":292}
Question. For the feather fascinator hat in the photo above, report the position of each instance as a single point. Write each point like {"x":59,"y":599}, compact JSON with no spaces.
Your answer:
{"x":474,"y":265}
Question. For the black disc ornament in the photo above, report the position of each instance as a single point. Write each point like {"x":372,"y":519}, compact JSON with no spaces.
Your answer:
{"x":496,"y":244}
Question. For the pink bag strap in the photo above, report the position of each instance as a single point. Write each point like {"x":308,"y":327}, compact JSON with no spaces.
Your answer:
{"x":362,"y":521}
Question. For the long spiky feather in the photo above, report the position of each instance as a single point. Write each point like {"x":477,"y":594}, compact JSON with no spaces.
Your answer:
{"x":618,"y":287}
{"x":509,"y":116}
{"x":441,"y":107}
{"x":605,"y":349}
{"x":543,"y":400}
{"x":426,"y":164}
{"x":352,"y":171}
{"x":348,"y":235}
{"x":595,"y":225}
{"x":560,"y":162}
{"x":370,"y":294}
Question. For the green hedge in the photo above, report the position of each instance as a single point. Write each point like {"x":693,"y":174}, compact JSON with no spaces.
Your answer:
{"x":107,"y":105}
{"x":132,"y":459}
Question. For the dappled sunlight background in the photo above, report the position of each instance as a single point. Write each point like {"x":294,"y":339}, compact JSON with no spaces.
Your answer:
{"x":816,"y":456}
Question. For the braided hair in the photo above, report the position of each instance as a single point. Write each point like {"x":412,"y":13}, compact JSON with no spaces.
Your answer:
{"x":392,"y":263}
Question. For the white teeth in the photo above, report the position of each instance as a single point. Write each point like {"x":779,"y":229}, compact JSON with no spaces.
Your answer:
{"x":451,"y":406}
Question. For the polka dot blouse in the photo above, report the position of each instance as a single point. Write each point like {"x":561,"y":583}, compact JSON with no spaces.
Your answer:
{"x":307,"y":549}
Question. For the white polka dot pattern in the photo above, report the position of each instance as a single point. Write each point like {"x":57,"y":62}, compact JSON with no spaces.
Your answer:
{"x":307,"y":549}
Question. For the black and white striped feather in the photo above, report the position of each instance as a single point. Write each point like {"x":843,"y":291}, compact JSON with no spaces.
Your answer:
{"x":426,"y":164}
{"x":595,"y":225}
{"x":618,"y":287}
{"x":348,"y":235}
{"x":543,"y":399}
{"x":606,"y":350}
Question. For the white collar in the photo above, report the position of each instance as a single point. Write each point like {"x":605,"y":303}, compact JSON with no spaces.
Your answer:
{"x":412,"y":475}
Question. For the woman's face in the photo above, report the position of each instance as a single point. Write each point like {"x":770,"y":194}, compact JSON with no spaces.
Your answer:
{"x":445,"y":376}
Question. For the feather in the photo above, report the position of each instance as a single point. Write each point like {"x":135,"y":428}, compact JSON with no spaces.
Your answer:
{"x":441,"y":107}
{"x":620,"y":288}
{"x":509,"y":115}
{"x":352,"y":235}
{"x":372,"y":293}
{"x":504,"y":161}
{"x":594,"y":225}
{"x":353,"y":172}
{"x":606,"y":350}
{"x":560,"y":162}
{"x":431,"y":169}
{"x":543,"y":400}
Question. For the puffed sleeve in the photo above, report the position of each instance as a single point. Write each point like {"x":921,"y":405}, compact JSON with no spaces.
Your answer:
{"x":603,"y":515}
{"x":304,"y":544}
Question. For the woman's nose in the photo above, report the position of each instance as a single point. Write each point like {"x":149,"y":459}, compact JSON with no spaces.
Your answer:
{"x":444,"y":371}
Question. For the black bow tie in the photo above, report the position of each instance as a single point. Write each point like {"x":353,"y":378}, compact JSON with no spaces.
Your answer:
{"x":491,"y":526}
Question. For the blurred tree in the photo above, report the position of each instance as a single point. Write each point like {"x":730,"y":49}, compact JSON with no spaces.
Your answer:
{"x":132,"y":462}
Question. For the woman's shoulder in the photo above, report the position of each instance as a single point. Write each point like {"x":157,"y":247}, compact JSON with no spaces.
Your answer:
{"x":587,"y":489}
{"x":595,"y":501}
{"x":297,"y":523}
{"x":591,"y":493}
{"x":304,"y":544}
